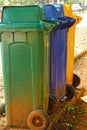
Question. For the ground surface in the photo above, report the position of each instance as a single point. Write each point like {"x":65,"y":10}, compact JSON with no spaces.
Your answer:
{"x":75,"y":117}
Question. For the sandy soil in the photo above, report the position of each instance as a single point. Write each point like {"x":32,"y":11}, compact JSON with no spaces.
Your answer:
{"x":75,"y":117}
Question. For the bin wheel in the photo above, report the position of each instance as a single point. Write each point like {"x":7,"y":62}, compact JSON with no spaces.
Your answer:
{"x":52,"y":95}
{"x":38,"y":120}
{"x":2,"y":108}
{"x":69,"y":92}
{"x":76,"y":80}
{"x":53,"y":104}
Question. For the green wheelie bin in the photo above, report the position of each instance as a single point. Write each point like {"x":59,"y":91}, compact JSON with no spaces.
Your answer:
{"x":25,"y":59}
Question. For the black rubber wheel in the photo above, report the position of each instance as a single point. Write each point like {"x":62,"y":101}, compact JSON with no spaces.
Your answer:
{"x":38,"y":120}
{"x":2,"y":108}
{"x":76,"y":80}
{"x":53,"y":104}
{"x":69,"y":92}
{"x":52,"y":95}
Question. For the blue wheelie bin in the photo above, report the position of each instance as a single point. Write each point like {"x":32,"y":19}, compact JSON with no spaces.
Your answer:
{"x":58,"y":50}
{"x":60,"y":8}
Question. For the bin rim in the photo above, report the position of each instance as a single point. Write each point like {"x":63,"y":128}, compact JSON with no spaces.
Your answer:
{"x":64,"y":21}
{"x":45,"y":25}
{"x":77,"y":17}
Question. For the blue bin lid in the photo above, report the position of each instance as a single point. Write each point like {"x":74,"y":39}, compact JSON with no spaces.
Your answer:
{"x":52,"y":13}
{"x":67,"y":20}
{"x":60,"y":10}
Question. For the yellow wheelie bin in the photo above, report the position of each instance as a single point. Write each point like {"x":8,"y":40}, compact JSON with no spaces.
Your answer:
{"x":71,"y":79}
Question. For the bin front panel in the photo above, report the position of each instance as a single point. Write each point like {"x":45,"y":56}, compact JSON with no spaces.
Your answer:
{"x":26,"y":82}
{"x":58,"y":63}
{"x":70,"y":55}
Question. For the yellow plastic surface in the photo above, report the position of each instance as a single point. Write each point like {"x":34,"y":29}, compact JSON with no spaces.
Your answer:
{"x":71,"y":43}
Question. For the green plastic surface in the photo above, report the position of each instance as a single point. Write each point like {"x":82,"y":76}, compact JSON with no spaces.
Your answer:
{"x":25,"y":59}
{"x":22,"y":13}
{"x":26,"y":74}
{"x":24,"y":18}
{"x":25,"y":56}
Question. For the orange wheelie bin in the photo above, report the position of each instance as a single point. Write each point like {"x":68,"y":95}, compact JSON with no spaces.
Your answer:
{"x":71,"y":79}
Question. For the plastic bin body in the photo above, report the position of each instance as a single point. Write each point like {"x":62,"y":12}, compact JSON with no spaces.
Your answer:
{"x":58,"y":63}
{"x":71,"y":43}
{"x":25,"y":56}
{"x":58,"y":51}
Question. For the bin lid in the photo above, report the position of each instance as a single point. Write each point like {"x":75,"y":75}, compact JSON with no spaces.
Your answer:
{"x":77,"y":17}
{"x":68,"y":21}
{"x":22,"y":13}
{"x":24,"y":18}
{"x":68,"y":12}
{"x":60,"y":10}
{"x":52,"y":13}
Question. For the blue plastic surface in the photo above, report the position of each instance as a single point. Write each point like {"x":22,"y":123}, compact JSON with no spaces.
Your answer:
{"x":58,"y":50}
{"x":60,"y":10}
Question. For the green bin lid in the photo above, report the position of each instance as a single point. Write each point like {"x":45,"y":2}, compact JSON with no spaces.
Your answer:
{"x":22,"y":13}
{"x":24,"y":18}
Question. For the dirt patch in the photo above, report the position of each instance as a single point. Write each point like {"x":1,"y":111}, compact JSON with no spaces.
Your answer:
{"x":75,"y":117}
